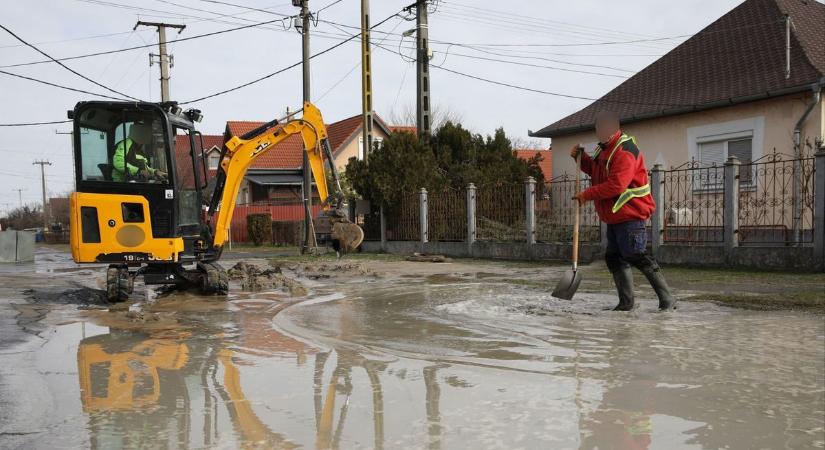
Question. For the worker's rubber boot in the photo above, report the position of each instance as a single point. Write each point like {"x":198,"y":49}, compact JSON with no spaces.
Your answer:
{"x":623,"y":278}
{"x":651,"y":270}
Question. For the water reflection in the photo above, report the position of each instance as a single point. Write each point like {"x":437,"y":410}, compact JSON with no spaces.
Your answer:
{"x":377,"y":375}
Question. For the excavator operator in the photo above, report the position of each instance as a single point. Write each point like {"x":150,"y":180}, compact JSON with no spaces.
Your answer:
{"x":129,"y":155}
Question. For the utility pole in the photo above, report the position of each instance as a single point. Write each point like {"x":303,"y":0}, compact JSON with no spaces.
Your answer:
{"x":20,"y":195}
{"x":43,"y":164}
{"x":422,"y":81}
{"x":309,"y":236}
{"x":166,"y":61}
{"x":366,"y":78}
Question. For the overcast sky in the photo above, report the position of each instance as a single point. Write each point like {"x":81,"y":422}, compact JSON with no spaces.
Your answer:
{"x":207,"y":65}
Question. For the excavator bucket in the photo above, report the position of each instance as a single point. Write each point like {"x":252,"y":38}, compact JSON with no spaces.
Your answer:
{"x":349,"y":234}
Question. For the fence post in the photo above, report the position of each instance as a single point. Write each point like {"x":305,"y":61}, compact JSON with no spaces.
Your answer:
{"x":471,"y":215}
{"x":383,"y":225}
{"x":731,"y":205}
{"x":530,"y":209}
{"x":657,"y":221}
{"x":422,"y":196}
{"x":819,"y":209}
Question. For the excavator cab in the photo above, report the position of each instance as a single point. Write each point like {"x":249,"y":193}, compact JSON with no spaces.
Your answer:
{"x":134,"y":199}
{"x":142,"y":204}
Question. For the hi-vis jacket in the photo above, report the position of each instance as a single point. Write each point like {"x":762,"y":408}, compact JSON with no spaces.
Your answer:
{"x":620,"y":186}
{"x":122,"y":160}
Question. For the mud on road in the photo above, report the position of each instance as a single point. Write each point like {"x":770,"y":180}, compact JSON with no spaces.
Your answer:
{"x":375,"y":352}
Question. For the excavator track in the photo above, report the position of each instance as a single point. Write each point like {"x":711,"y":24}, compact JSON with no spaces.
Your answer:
{"x":119,"y":284}
{"x":214,"y":279}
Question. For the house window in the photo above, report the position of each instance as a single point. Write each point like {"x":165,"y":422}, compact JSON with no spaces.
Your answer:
{"x":214,"y":160}
{"x":715,"y":153}
{"x":377,"y":142}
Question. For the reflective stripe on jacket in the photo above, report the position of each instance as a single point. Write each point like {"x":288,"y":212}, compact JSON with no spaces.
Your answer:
{"x":620,"y":186}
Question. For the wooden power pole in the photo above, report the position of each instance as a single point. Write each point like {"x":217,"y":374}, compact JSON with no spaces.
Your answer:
{"x":164,"y":59}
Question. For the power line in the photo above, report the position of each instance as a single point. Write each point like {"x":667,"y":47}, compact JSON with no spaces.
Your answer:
{"x":137,"y":47}
{"x":31,"y":124}
{"x":58,"y":85}
{"x":540,"y":91}
{"x":83,"y":38}
{"x":284,"y":69}
{"x":65,"y":66}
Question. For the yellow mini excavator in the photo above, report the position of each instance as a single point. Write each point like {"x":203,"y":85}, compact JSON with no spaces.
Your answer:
{"x":147,"y":210}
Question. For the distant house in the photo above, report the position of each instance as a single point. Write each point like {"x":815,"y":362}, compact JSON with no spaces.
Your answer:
{"x":723,"y":92}
{"x":212,"y":145}
{"x":276,"y":176}
{"x":546,"y":162}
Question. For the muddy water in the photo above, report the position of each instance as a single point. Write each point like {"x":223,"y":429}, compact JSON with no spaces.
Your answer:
{"x":459,"y":361}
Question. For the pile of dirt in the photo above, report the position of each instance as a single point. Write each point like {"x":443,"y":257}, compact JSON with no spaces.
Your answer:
{"x":254,"y":278}
{"x":318,"y":271}
{"x":84,"y":296}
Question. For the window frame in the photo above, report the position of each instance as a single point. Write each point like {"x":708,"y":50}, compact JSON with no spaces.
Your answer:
{"x":753,"y":128}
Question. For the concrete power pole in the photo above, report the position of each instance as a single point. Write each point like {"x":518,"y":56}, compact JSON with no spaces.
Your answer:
{"x":366,"y":78}
{"x":43,"y":164}
{"x":309,"y":236}
{"x":20,"y":195}
{"x":166,"y":61}
{"x":422,"y":81}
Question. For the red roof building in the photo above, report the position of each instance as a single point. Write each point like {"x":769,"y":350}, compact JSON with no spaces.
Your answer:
{"x":546,"y":162}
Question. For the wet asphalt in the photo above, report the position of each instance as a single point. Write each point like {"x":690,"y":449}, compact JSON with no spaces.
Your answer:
{"x":389,"y":354}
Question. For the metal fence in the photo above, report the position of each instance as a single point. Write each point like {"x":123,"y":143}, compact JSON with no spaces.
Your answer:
{"x":404,"y":219}
{"x":555,"y":212}
{"x":500,"y":212}
{"x":694,"y":204}
{"x":776,"y":200}
{"x":447,"y":215}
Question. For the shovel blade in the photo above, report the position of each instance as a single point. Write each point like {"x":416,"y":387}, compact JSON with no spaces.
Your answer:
{"x":568,"y":285}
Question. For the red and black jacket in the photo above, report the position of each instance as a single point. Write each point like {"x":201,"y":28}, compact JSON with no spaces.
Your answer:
{"x":619,"y":178}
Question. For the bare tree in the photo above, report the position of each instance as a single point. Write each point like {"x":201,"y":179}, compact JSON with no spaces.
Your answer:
{"x":406,"y":116}
{"x":528,"y":144}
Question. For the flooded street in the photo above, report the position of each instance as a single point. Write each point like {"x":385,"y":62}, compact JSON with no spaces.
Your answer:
{"x":393,"y":354}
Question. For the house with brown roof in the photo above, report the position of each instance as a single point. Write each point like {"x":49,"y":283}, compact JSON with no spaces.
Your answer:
{"x":276,"y":176}
{"x":545,"y":159}
{"x":740,"y":87}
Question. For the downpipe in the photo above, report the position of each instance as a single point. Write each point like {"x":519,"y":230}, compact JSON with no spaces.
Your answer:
{"x":797,"y":165}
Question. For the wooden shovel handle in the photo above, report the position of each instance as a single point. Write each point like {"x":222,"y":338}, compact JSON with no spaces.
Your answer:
{"x":576,"y":211}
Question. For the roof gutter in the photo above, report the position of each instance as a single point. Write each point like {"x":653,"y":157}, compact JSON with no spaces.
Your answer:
{"x":689,"y":109}
{"x":797,"y":130}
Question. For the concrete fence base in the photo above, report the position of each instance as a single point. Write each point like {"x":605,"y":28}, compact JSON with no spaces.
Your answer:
{"x":800,"y":259}
{"x":16,"y":246}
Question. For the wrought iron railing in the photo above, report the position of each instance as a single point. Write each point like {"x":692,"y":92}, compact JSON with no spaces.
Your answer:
{"x":694,"y":204}
{"x":776,"y":198}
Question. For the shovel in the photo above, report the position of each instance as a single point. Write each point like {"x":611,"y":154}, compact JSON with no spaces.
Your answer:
{"x":569,"y":283}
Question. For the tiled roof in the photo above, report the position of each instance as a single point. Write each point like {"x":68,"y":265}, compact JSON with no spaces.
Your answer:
{"x":546,"y":163}
{"x":183,"y":157}
{"x":289,"y":153}
{"x":739,"y":57}
{"x":403,"y":129}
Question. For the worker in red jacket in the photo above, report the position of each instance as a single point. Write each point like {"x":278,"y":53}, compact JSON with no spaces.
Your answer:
{"x":621,"y":191}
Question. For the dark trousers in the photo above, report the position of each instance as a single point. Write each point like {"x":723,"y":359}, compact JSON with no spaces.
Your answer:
{"x":627,"y":246}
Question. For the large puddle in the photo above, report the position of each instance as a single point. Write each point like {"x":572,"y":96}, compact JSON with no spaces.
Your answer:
{"x":418,"y":362}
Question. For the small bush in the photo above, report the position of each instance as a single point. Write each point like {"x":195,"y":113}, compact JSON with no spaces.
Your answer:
{"x":259,"y":227}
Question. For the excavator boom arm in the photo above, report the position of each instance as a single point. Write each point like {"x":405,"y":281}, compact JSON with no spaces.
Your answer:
{"x":241,"y":152}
